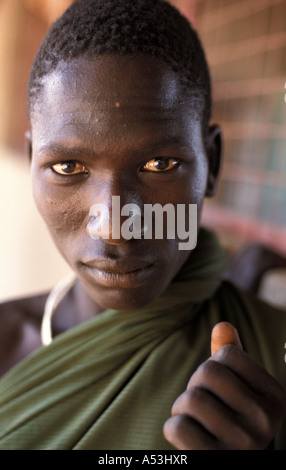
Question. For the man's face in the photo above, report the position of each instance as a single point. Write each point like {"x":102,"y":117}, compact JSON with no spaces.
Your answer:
{"x":116,"y":127}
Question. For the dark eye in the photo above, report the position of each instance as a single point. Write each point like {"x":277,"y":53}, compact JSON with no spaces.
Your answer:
{"x":160,"y":164}
{"x":69,"y":168}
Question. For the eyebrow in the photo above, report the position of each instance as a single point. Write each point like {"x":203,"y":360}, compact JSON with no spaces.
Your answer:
{"x":170,"y":141}
{"x":59,"y":149}
{"x":80,"y":150}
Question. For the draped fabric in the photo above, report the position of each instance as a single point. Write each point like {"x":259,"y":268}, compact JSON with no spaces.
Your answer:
{"x":110,"y":383}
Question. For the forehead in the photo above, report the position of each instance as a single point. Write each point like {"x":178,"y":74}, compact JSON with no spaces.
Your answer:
{"x":113,"y":97}
{"x":106,"y":79}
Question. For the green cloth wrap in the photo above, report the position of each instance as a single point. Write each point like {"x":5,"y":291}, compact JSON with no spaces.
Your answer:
{"x":110,"y":383}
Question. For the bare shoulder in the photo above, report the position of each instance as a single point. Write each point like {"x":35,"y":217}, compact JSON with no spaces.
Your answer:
{"x":20,"y":323}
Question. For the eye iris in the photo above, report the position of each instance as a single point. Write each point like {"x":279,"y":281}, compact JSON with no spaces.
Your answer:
{"x":161,"y":163}
{"x":68,"y":167}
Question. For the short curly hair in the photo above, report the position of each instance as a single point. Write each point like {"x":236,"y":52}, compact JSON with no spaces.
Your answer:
{"x":121,"y":27}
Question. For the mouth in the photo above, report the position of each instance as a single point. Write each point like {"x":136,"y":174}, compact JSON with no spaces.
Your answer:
{"x":119,"y":274}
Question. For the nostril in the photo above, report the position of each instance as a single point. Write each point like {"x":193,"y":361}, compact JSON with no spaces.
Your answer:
{"x":98,"y":224}
{"x":118,"y":224}
{"x":102,"y":226}
{"x":93,"y":227}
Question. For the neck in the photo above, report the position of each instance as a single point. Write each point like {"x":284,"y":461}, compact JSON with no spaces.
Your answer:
{"x":76,"y":308}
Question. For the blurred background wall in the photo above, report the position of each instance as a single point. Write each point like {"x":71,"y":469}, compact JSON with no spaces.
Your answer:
{"x":245,"y":43}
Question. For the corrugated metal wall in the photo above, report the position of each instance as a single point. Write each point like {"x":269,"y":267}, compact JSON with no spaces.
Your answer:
{"x":245,"y":41}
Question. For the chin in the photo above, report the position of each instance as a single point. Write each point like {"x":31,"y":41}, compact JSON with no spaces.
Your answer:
{"x":126,"y":303}
{"x":121,"y":299}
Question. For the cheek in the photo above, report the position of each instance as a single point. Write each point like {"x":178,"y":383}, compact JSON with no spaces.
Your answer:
{"x":65,"y":218}
{"x":198,"y":182}
{"x":63,"y":213}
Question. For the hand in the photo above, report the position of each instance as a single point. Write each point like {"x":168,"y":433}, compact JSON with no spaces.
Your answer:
{"x":231,"y":402}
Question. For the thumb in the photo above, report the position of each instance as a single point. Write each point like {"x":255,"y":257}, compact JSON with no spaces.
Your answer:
{"x":224,"y":333}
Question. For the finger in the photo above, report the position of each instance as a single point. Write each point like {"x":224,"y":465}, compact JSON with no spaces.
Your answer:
{"x":252,"y":373}
{"x":225,"y":384}
{"x":235,"y":399}
{"x":185,"y":433}
{"x":242,"y":392}
{"x":217,"y":419}
{"x":224,"y":333}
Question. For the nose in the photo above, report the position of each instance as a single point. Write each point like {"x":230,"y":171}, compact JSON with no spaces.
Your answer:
{"x":116,"y":217}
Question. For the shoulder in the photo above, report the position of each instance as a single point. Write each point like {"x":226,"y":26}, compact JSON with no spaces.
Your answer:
{"x":249,"y":310}
{"x":229,"y":295}
{"x":20,"y":323}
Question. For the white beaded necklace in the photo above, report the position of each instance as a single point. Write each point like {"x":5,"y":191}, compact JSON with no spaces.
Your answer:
{"x":54,"y":298}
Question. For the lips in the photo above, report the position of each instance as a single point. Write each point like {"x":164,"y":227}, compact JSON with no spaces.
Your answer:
{"x":119,"y":273}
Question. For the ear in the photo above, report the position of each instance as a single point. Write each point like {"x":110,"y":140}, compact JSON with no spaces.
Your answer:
{"x":214,"y":154}
{"x":28,"y":146}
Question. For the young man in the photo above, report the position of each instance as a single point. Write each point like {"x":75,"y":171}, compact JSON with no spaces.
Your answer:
{"x":119,"y":102}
